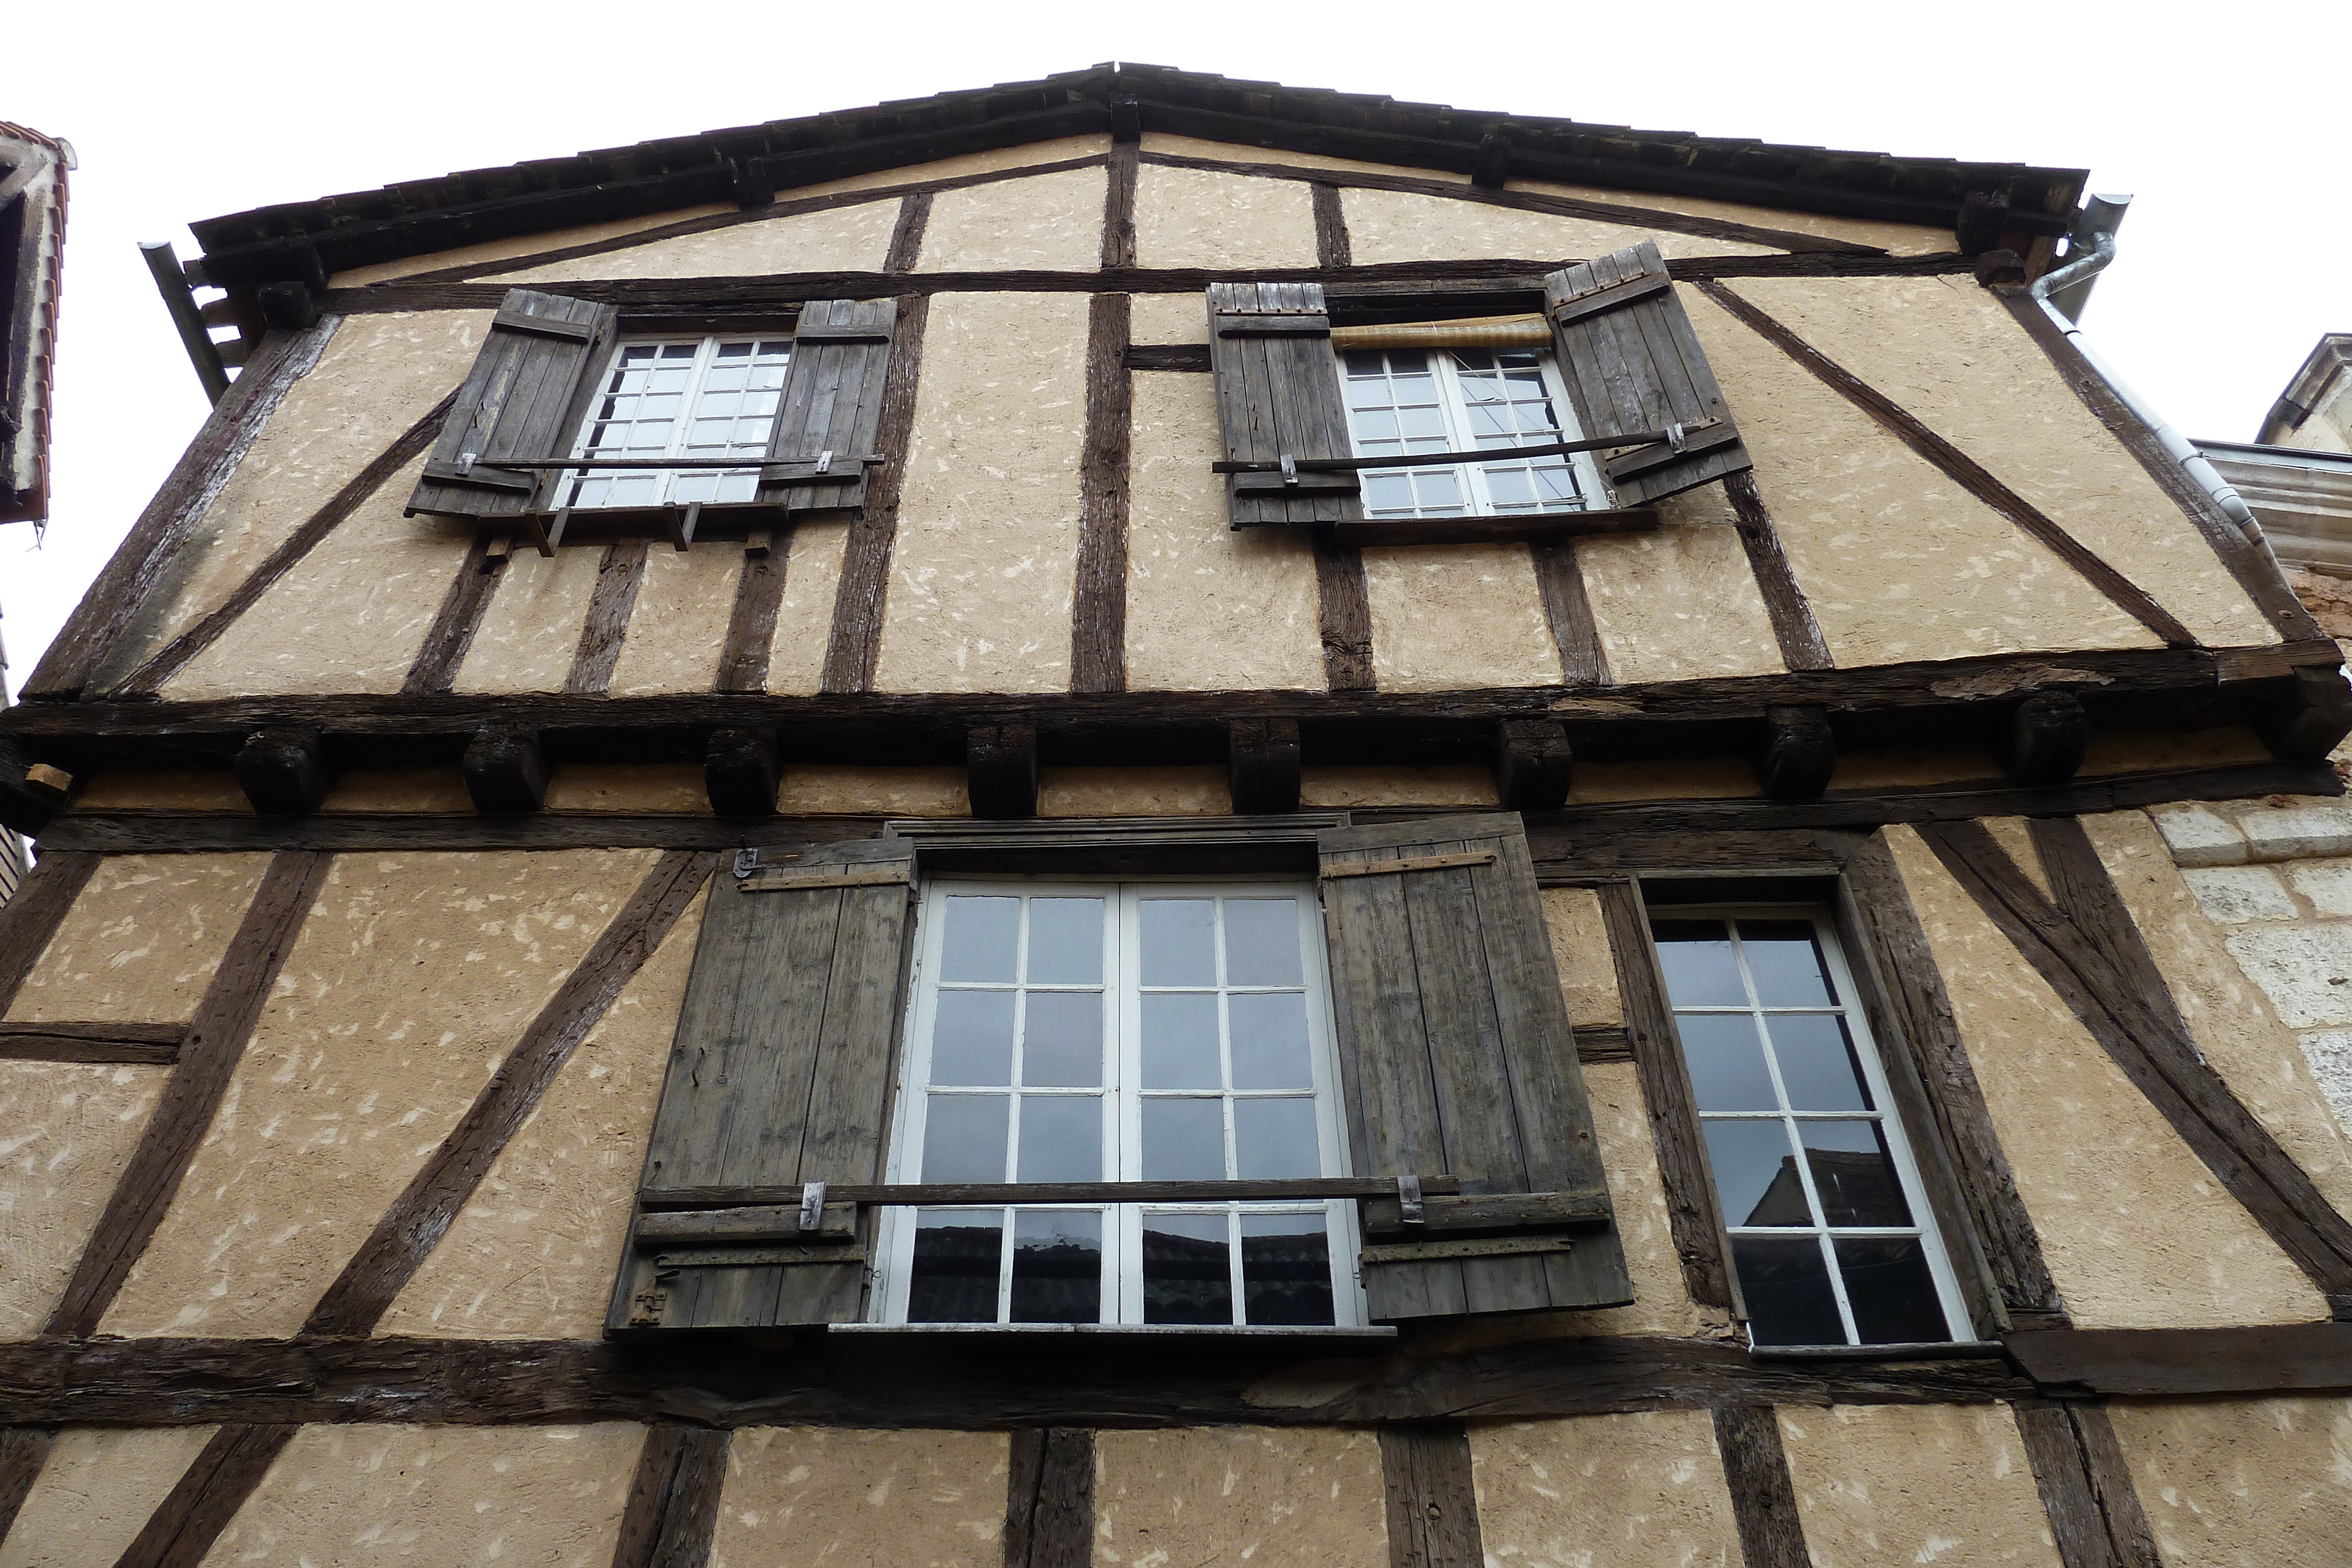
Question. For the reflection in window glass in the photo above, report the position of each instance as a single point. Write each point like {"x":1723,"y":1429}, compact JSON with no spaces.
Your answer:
{"x":1814,"y":1180}
{"x":707,"y":398}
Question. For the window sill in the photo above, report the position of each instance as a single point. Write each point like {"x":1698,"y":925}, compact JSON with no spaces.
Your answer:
{"x":1929,"y":1350}
{"x":1523,"y":528}
{"x":1123,"y":1331}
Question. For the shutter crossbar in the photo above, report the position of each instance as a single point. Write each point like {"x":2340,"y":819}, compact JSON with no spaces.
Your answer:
{"x":1411,"y":862}
{"x":1491,"y":1246}
{"x":795,"y":879}
{"x":1666,"y":440}
{"x":761,"y":460}
{"x":903,"y":1195}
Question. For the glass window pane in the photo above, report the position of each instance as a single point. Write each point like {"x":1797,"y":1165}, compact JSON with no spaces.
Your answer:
{"x":1786,"y":963}
{"x":1187,"y":1268}
{"x":1057,"y":1267}
{"x":1891,"y":1291}
{"x":1726,"y":1061}
{"x":1854,"y":1172}
{"x":1180,"y":942}
{"x":1180,"y":1041}
{"x":1285,"y":1268}
{"x":1817,"y":1065}
{"x":957,"y":1254}
{"x":1275,"y":1139}
{"x":1696,"y":957}
{"x":1062,"y":1044}
{"x":972,"y":1038}
{"x":1065,"y":941}
{"x":1755,"y":1174}
{"x":963,"y":1137}
{"x":1184,"y":1140}
{"x":1061,"y":1138}
{"x":1270,"y":1040}
{"x":1262,"y":942}
{"x":983,"y":937}
{"x":1786,"y":1284}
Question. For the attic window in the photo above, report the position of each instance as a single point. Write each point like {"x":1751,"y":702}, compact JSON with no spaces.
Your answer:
{"x":1414,"y":401}
{"x":698,"y":399}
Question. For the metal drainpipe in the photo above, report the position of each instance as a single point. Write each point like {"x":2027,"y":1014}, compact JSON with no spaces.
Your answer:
{"x":2103,"y":251}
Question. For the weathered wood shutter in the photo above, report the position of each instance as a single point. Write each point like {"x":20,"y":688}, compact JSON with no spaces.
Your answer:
{"x":1632,"y":363}
{"x":780,"y":1074}
{"x":1278,"y":396}
{"x":832,"y":411}
{"x":522,"y":399}
{"x":1455,"y":1046}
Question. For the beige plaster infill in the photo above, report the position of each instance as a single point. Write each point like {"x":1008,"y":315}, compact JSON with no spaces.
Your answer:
{"x":142,"y":941}
{"x":1209,"y":607}
{"x":841,"y":239}
{"x":1045,"y":222}
{"x":828,"y":790}
{"x":1399,"y":226}
{"x":2137,"y":1233}
{"x":1454,"y":617}
{"x":1291,"y":1496}
{"x":2015,"y":837}
{"x":2154,"y":751}
{"x":67,"y":1131}
{"x":520,"y":247}
{"x":799,"y":1496}
{"x":409,"y":981}
{"x":96,"y":1493}
{"x":811,"y":568}
{"x":1133,"y":792}
{"x":1434,"y":784}
{"x":191,"y":789}
{"x":984,"y":569}
{"x":1605,"y":1492}
{"x":1897,"y":239}
{"x":437,"y":791}
{"x":677,"y":628}
{"x":1241,"y":153}
{"x":438,"y":1497}
{"x":1579,"y":950}
{"x":2233,"y":1021}
{"x":587,"y":786}
{"x":377,"y":375}
{"x":531,"y":1255}
{"x":530,"y":631}
{"x":1679,"y":602}
{"x":1951,"y":354}
{"x":1197,"y":217}
{"x":2241,"y":1483}
{"x":1665,"y":778}
{"x":1897,"y":561}
{"x":1912,"y":767}
{"x":995,"y":160}
{"x":1169,"y":319}
{"x":351,"y":615}
{"x":1949,"y":1484}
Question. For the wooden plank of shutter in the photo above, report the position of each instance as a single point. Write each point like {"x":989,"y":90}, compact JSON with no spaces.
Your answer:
{"x":523,"y":398}
{"x":1458,"y":1059}
{"x":832,"y":404}
{"x":780,"y":1073}
{"x":1278,"y":395}
{"x":1632,"y":363}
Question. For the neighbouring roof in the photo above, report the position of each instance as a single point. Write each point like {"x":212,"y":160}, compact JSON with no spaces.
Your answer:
{"x":32,"y":247}
{"x":2330,"y":359}
{"x":2302,"y":499}
{"x":309,"y":240}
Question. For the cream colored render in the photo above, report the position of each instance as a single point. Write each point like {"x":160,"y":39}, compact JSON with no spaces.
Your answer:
{"x":531,"y":628}
{"x":1050,"y":223}
{"x":1898,"y":239}
{"x":1209,"y":608}
{"x":1398,"y":225}
{"x":1449,"y":617}
{"x":142,"y":941}
{"x":1240,"y":153}
{"x":1605,"y":1492}
{"x":1951,"y":354}
{"x":1169,"y":318}
{"x":1881,"y":1484}
{"x":1896,"y":560}
{"x":983,"y":573}
{"x":826,"y":789}
{"x":438,"y":1497}
{"x":2137,"y":1233}
{"x":1426,"y":784}
{"x":356,"y":1070}
{"x":812,"y":569}
{"x":377,"y":376}
{"x":673,"y":787}
{"x":841,"y":239}
{"x":1293,"y":1497}
{"x":677,"y":628}
{"x":67,"y":1131}
{"x":1195,"y":217}
{"x":1679,"y":602}
{"x":96,"y":1493}
{"x":798,"y":1496}
{"x":2253,"y":1483}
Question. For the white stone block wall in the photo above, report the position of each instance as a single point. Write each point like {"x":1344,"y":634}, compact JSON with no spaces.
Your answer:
{"x":2276,"y":875}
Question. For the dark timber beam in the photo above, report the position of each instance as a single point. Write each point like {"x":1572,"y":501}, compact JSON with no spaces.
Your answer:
{"x":285,"y":772}
{"x":1262,"y":765}
{"x":1533,"y":764}
{"x":1001,"y":770}
{"x":2312,"y":716}
{"x":741,"y":770}
{"x":2044,"y":740}
{"x":506,"y":770}
{"x":1798,"y":754}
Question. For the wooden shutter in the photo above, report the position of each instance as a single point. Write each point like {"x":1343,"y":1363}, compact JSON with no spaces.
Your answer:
{"x":832,"y":405}
{"x":1632,"y":363}
{"x":1278,"y":396}
{"x":1455,"y":1047}
{"x":780,"y":1074}
{"x":522,"y":399}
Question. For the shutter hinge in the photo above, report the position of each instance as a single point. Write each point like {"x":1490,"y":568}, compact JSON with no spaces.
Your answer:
{"x":1409,"y":1200}
{"x":1677,"y":439}
{"x":813,"y":1205}
{"x":746,"y":862}
{"x":647,"y":1308}
{"x":1289,"y":469}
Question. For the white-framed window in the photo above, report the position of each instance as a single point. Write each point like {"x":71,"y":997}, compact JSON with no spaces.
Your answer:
{"x":680,"y":397}
{"x":1415,"y":401}
{"x":1088,"y":1031}
{"x":1836,"y":1246}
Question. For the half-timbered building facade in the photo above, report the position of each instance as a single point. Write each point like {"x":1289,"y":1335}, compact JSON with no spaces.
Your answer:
{"x":1144,"y":820}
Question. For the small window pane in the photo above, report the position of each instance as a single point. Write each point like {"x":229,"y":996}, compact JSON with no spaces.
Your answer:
{"x":971,"y":1040}
{"x":1275,"y":1139}
{"x":1057,"y":1267}
{"x":1180,"y":942}
{"x":1061,"y":1138}
{"x":1854,"y":1172}
{"x":1062,"y":1047}
{"x":1755,"y":1174}
{"x":983,"y":937}
{"x":1270,"y":1040}
{"x":963,"y":1137}
{"x":1787,"y":1285}
{"x":1817,"y":1064}
{"x":1184,"y":1140}
{"x":1285,"y":1268}
{"x":1262,"y":942}
{"x":1187,"y":1268}
{"x":1179,"y":1042}
{"x":957,"y":1255}
{"x":1065,"y":941}
{"x":1726,"y":1061}
{"x":1696,"y":957}
{"x":1787,"y":964}
{"x":1891,"y":1291}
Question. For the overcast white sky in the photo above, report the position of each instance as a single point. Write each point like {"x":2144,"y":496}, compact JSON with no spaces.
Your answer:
{"x":2228,"y":123}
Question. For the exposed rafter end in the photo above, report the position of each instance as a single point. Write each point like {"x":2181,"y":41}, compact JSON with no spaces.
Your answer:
{"x":1533,"y":764}
{"x":506,"y":770}
{"x":1262,"y":765}
{"x":2044,"y":740}
{"x":1797,"y":755}
{"x":1001,"y":771}
{"x":285,"y":772}
{"x":741,"y":770}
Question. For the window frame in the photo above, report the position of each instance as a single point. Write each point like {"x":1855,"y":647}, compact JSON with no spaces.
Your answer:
{"x":1122,"y":1293}
{"x":565,"y":482}
{"x":1594,"y":492}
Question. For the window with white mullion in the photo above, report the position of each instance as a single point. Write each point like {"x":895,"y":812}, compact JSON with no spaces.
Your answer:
{"x":684,"y":398}
{"x":1413,"y":402}
{"x":1829,"y":1229}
